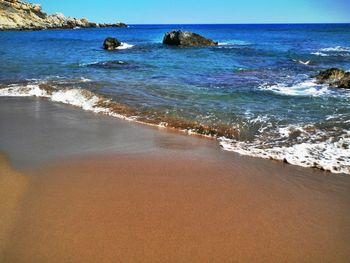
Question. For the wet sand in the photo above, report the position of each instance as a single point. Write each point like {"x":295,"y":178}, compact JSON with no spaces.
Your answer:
{"x":159,"y":197}
{"x":13,"y":185}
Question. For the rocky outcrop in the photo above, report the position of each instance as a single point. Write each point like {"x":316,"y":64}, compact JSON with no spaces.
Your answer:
{"x":334,"y":77}
{"x":111,"y":43}
{"x":18,"y":15}
{"x":118,"y":24}
{"x":184,"y":38}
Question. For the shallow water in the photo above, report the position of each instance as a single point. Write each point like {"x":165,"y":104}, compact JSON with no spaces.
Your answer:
{"x":255,"y":91}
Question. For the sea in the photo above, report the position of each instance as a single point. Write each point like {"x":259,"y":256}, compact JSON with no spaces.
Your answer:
{"x":255,"y":92}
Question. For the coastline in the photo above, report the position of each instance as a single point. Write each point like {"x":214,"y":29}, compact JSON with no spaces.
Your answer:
{"x":101,"y":188}
{"x":17,"y":15}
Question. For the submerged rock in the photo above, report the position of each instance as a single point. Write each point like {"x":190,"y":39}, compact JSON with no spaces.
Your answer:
{"x":111,"y":43}
{"x":180,"y":38}
{"x":334,"y":77}
{"x":113,"y":64}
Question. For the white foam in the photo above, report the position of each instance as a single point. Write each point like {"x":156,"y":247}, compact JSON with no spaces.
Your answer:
{"x":305,"y":88}
{"x":302,"y":62}
{"x":81,"y":98}
{"x":233,"y":44}
{"x":329,"y":155}
{"x":320,"y":54}
{"x":82,"y":79}
{"x":125,"y":46}
{"x":336,"y":49}
{"x":333,"y":52}
{"x":23,"y":91}
{"x":76,"y":97}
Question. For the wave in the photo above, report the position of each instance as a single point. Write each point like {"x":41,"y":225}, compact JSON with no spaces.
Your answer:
{"x":306,"y":146}
{"x":234,"y":44}
{"x":336,"y":49}
{"x":90,"y":101}
{"x":331,"y":155}
{"x":304,"y":88}
{"x":320,"y":54}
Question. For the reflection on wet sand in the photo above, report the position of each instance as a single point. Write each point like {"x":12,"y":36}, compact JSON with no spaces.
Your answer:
{"x":12,"y":187}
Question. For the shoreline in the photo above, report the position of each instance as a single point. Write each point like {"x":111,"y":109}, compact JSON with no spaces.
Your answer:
{"x":224,"y":135}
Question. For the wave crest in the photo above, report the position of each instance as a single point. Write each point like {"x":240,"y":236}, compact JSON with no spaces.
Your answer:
{"x":337,"y":51}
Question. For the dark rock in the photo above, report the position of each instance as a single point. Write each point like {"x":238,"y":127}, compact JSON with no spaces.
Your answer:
{"x":179,"y":38}
{"x":120,"y":24}
{"x":334,"y":77}
{"x":114,"y":64}
{"x":111,"y":43}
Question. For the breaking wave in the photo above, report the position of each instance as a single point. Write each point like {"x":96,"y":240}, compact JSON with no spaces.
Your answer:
{"x":301,"y":86}
{"x":90,"y":101}
{"x":315,"y":149}
{"x":234,"y":44}
{"x":337,"y":51}
{"x":305,"y":88}
{"x":303,"y":145}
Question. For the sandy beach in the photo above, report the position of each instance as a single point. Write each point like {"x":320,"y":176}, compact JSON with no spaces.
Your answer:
{"x":90,"y":188}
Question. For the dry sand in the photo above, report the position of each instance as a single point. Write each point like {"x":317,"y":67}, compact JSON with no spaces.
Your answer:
{"x":137,"y":208}
{"x":155,"y":196}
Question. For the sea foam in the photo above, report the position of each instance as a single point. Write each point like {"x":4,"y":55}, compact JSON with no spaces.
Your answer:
{"x":125,"y":46}
{"x":337,"y":51}
{"x":330,"y":155}
{"x":304,"y":88}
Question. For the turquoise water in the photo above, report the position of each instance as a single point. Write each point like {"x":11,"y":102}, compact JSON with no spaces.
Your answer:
{"x":255,"y":91}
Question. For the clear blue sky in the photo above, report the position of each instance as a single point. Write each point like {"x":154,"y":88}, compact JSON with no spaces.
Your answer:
{"x":203,"y":11}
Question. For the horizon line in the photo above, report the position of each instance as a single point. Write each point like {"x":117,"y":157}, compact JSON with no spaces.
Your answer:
{"x":272,"y":23}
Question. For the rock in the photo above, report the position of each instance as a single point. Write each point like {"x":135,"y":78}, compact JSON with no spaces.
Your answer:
{"x":18,"y":15}
{"x":121,"y":24}
{"x":180,"y":38}
{"x":334,"y":77}
{"x":111,"y":43}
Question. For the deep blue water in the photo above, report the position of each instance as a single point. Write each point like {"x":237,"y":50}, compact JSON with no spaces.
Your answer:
{"x":255,"y":82}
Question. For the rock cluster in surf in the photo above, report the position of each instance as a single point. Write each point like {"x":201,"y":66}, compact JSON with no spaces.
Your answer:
{"x":18,"y":15}
{"x":334,"y":77}
{"x":185,"y":38}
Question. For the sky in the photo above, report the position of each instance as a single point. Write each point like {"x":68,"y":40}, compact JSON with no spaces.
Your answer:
{"x":203,"y":11}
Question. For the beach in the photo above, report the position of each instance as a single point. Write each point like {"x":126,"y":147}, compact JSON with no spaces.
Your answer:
{"x":86,"y":187}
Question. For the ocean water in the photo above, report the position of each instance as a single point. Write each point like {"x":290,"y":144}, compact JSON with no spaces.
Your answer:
{"x":255,"y":92}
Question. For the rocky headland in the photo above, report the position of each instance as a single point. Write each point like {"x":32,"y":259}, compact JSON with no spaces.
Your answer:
{"x":19,"y":15}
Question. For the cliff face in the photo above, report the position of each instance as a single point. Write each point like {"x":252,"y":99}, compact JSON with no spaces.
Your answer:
{"x":18,"y":15}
